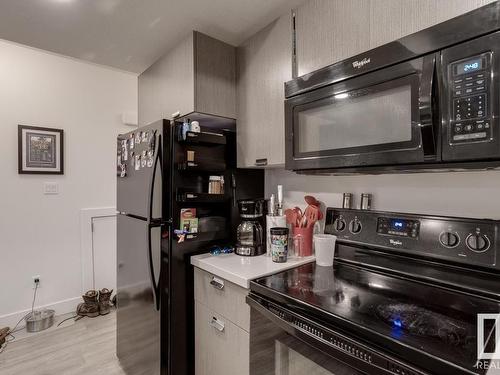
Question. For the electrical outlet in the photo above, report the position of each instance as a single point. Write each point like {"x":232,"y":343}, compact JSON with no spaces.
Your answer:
{"x":36,"y":280}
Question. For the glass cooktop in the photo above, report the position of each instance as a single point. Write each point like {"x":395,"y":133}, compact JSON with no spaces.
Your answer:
{"x":431,"y":321}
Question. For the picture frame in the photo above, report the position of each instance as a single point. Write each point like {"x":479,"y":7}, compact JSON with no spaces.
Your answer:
{"x":40,"y":150}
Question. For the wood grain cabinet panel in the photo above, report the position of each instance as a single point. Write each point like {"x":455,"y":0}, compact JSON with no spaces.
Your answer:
{"x":228,"y":301}
{"x":264,"y":63}
{"x":221,"y":347}
{"x":328,"y":31}
{"x":393,"y":19}
{"x":197,"y":75}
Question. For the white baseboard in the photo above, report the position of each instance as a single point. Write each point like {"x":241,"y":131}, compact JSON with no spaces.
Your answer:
{"x":60,"y":307}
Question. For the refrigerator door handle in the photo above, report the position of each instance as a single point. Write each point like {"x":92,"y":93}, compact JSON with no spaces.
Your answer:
{"x":152,"y":182}
{"x":155,"y":286}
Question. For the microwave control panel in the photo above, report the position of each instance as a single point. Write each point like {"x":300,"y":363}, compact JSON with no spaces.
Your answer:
{"x":469,"y":94}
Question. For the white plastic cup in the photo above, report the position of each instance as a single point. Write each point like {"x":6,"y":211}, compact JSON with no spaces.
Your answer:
{"x":324,"y":247}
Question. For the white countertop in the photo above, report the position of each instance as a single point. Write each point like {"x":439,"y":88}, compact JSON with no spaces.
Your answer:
{"x":241,"y":270}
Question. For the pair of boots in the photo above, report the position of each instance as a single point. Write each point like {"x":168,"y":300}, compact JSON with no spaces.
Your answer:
{"x":95,"y":303}
{"x":4,"y":332}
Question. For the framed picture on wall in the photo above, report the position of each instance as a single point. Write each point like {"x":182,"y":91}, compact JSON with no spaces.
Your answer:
{"x":40,"y":150}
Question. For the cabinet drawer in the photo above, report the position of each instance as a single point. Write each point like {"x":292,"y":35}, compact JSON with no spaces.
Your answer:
{"x":221,"y":348}
{"x":222,"y":297}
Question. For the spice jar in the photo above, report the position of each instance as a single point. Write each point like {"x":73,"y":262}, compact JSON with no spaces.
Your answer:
{"x":215,"y":185}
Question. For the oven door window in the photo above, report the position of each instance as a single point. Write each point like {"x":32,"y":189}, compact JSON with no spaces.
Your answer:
{"x":382,"y":117}
{"x":273,"y":351}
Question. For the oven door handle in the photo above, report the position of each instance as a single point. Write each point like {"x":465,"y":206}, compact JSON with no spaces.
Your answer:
{"x":428,"y":96}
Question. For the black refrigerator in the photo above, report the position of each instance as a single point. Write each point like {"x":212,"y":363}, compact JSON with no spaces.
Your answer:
{"x":161,"y":172}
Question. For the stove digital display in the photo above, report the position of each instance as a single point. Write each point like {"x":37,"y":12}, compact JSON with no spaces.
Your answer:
{"x":397,"y":224}
{"x":398,"y":227}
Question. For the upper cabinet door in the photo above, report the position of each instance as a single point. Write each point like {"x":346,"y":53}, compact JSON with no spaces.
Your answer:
{"x":264,"y":64}
{"x":197,"y":75}
{"x":393,"y":19}
{"x":328,"y":31}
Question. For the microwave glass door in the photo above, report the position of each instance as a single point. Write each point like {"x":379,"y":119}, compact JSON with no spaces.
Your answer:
{"x":363,"y":121}
{"x":345,"y":121}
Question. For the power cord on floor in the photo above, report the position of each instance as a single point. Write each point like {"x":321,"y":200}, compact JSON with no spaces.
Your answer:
{"x":76,"y":317}
{"x":10,"y":334}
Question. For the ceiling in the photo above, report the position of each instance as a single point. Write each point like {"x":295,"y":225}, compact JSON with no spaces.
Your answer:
{"x":130,"y":34}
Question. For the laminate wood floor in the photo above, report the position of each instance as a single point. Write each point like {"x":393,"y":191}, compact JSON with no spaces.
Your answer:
{"x":87,"y":347}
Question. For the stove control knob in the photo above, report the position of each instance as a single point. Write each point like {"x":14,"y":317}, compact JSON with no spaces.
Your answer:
{"x":478,"y":242}
{"x":449,"y":239}
{"x":355,"y":226}
{"x":339,"y":224}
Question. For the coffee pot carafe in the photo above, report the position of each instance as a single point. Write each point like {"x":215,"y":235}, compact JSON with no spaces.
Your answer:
{"x":250,"y":234}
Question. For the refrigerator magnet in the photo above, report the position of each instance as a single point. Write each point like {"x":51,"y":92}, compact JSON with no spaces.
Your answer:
{"x":123,"y":170}
{"x":150,"y":159}
{"x":143,"y":159}
{"x":145,"y":136}
{"x":152,"y":141}
{"x":137,"y":164}
{"x":131,"y":141}
{"x":138,"y":138}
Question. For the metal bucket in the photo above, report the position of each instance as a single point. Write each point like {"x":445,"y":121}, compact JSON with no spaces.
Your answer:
{"x":39,"y":320}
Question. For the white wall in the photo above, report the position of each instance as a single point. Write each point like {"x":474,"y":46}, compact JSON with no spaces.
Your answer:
{"x":468,"y":194}
{"x":39,"y":234}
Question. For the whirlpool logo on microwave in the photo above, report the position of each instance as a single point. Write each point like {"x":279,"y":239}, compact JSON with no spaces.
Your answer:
{"x":359,"y":64}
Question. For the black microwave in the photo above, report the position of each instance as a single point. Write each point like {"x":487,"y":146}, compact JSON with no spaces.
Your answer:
{"x":428,"y":101}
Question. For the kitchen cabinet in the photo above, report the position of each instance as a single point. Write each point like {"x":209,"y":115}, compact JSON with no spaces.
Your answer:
{"x":222,"y":324}
{"x":328,"y":31}
{"x":197,"y":75}
{"x":264,"y":63}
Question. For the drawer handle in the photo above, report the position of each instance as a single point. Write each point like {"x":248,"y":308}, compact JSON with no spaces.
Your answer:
{"x":261,"y":162}
{"x":217,"y":283}
{"x":217,"y":324}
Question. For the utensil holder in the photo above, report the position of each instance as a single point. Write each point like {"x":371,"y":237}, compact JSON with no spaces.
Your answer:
{"x":306,"y":248}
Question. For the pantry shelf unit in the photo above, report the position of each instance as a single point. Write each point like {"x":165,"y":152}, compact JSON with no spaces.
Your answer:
{"x":206,"y":236}
{"x":203,"y":138}
{"x":206,"y":165}
{"x":192,"y":197}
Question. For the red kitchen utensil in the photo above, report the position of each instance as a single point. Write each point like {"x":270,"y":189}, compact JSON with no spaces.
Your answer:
{"x":291,"y":216}
{"x":312,"y":215}
{"x":310,"y":200}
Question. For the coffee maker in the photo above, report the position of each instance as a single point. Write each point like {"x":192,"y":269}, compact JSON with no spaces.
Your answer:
{"x":251,"y":232}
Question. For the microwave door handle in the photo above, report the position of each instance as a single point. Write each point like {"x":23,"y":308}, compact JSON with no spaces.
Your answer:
{"x":427,"y":93}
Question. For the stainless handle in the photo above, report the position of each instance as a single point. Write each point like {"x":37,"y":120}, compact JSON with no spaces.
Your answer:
{"x":217,"y":283}
{"x":261,"y":162}
{"x":217,"y":324}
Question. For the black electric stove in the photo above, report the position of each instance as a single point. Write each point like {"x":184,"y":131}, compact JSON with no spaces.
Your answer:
{"x":403,"y":296}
